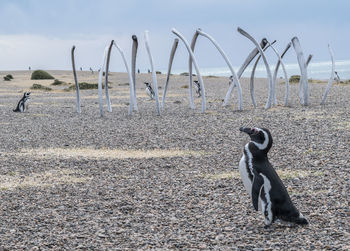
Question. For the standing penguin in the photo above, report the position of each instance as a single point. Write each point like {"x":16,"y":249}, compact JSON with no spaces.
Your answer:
{"x":263,"y":183}
{"x":23,"y":103}
{"x":198,"y":88}
{"x":149,"y":90}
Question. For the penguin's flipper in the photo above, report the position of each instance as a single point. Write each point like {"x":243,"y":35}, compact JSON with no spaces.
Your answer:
{"x":258,"y":182}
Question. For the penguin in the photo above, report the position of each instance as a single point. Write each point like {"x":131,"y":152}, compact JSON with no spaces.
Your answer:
{"x":22,"y":105}
{"x":198,"y":88}
{"x":149,"y":90}
{"x":267,"y":191}
{"x":230,"y":80}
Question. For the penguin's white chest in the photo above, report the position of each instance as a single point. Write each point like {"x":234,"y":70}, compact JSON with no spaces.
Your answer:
{"x":243,"y":171}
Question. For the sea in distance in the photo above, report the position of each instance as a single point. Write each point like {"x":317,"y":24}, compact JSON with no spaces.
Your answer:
{"x":316,"y":70}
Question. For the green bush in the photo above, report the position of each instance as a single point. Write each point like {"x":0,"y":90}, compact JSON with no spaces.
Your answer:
{"x":9,"y":76}
{"x":40,"y":87}
{"x":84,"y":86}
{"x":6,"y":78}
{"x":294,"y":79}
{"x":40,"y":74}
{"x":58,"y":82}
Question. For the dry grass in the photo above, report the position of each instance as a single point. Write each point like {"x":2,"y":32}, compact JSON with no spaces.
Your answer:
{"x":315,"y":115}
{"x":344,"y":125}
{"x":89,"y":153}
{"x":284,"y":174}
{"x":44,"y":179}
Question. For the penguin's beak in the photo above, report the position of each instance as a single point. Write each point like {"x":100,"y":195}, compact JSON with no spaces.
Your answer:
{"x":248,"y":130}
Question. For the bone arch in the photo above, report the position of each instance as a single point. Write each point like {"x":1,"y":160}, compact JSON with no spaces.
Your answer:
{"x":105,"y":66}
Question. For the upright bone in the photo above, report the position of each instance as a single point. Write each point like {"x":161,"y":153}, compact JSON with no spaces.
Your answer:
{"x":331,"y":79}
{"x":76,"y":81}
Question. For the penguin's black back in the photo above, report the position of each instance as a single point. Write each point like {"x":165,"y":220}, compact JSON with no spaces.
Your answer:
{"x":282,"y":204}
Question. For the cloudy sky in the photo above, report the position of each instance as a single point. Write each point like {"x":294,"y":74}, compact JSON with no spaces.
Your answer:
{"x":40,"y":33}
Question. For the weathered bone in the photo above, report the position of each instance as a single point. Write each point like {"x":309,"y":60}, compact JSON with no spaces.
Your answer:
{"x":131,"y":81}
{"x":252,"y":75}
{"x":331,"y":79}
{"x":154,"y":77}
{"x":171,"y":58}
{"x":76,"y":82}
{"x":100,"y":76}
{"x":194,"y":61}
{"x":308,"y":60}
{"x":245,"y":64}
{"x":235,"y":78}
{"x":133,"y":67}
{"x":301,"y":94}
{"x":109,"y":107}
{"x":304,"y":100}
{"x":193,"y":44}
{"x":280,"y":62}
{"x":269,"y":99}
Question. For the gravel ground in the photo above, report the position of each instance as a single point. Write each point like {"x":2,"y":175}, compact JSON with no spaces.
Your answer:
{"x":81,"y":182}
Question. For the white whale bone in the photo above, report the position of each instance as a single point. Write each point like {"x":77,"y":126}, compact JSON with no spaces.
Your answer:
{"x":77,"y":89}
{"x":304,"y":99}
{"x":245,"y":64}
{"x":171,"y":58}
{"x":193,"y":44}
{"x":194,"y":61}
{"x":131,"y":82}
{"x":109,"y":107}
{"x":100,"y":76}
{"x":331,"y":79}
{"x":233,"y":73}
{"x":251,"y":86}
{"x":280,"y":62}
{"x":154,"y":77}
{"x":133,"y":67}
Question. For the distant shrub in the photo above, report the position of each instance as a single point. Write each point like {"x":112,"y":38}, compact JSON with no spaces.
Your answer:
{"x":8,"y":77}
{"x":40,"y":87}
{"x":294,"y":79}
{"x":184,"y":74}
{"x":40,"y":74}
{"x":158,"y":72}
{"x":58,"y":82}
{"x":84,"y":86}
{"x":184,"y":86}
{"x":212,"y":76}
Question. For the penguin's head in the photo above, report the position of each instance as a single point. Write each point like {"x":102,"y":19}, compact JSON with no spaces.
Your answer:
{"x":146,"y":83}
{"x":261,"y":137}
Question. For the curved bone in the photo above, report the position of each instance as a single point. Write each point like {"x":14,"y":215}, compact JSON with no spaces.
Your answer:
{"x":131,"y":84}
{"x":100,"y":76}
{"x":133,"y":67}
{"x":279,"y":62}
{"x":269,"y":99}
{"x":235,"y":78}
{"x":245,"y":64}
{"x":308,"y":60}
{"x":193,"y":44}
{"x":76,"y":81}
{"x":193,"y":59}
{"x":304,"y":100}
{"x":154,"y":77}
{"x":171,"y":58}
{"x":301,"y":94}
{"x":106,"y":77}
{"x":330,"y":81}
{"x":253,"y":74}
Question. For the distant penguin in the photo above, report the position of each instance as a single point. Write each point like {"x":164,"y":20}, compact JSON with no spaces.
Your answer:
{"x":198,"y":88}
{"x":22,"y":105}
{"x":149,"y":90}
{"x":230,"y":80}
{"x":337,"y":78}
{"x":261,"y":181}
{"x":92,"y":71}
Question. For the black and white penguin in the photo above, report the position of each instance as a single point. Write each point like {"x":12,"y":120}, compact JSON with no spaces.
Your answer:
{"x":22,"y":105}
{"x":261,"y":181}
{"x":149,"y":90}
{"x":198,"y":88}
{"x":230,"y":80}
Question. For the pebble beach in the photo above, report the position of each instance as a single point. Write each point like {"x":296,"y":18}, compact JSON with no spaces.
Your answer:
{"x":72,"y":181}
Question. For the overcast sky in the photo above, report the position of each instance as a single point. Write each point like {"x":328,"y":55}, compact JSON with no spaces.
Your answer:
{"x":40,"y":33}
